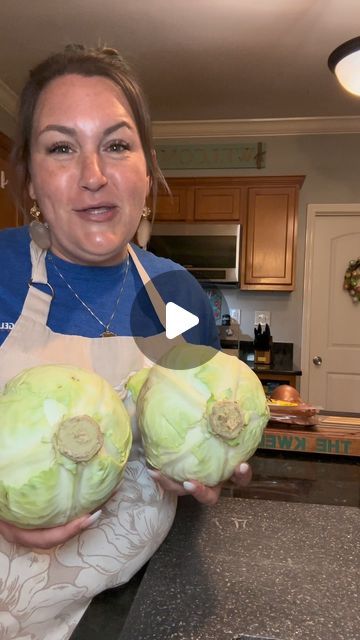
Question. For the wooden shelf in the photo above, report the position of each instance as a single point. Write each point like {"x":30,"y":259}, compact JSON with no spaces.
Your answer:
{"x":333,"y":435}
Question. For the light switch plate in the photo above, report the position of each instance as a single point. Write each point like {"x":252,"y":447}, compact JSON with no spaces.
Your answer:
{"x":235,"y":314}
{"x":262,"y":317}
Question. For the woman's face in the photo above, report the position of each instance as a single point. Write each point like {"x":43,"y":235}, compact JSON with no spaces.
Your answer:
{"x":87,"y":169}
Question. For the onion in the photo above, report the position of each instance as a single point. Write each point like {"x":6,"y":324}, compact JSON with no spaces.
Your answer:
{"x":286,"y":393}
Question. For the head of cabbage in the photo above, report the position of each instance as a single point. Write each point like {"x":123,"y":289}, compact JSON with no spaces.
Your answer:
{"x":199,"y":422}
{"x":65,"y":438}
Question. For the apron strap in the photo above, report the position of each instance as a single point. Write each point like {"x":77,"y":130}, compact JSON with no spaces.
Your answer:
{"x":38,"y":272}
{"x":156,"y":299}
{"x":37,"y":303}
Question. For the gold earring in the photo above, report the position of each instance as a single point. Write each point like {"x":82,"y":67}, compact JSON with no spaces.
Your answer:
{"x":39,"y":231}
{"x":144,"y":229}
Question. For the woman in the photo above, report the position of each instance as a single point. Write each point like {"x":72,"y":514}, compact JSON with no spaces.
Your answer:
{"x":85,"y":157}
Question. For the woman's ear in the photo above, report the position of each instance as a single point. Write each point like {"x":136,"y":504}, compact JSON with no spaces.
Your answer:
{"x":31,"y":191}
{"x":148,"y":186}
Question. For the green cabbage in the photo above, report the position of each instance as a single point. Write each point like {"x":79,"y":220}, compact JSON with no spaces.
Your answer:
{"x":65,"y":438}
{"x":199,"y":422}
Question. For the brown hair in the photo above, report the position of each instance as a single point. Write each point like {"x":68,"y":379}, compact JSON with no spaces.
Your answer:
{"x":100,"y":61}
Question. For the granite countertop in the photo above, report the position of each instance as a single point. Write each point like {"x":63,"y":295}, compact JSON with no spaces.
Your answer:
{"x":274,"y":367}
{"x":281,"y":353}
{"x":281,"y":359}
{"x":241,"y":570}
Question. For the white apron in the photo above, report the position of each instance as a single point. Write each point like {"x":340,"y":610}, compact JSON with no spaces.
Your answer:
{"x":43,"y":594}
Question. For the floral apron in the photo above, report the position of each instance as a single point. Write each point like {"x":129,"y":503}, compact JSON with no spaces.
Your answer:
{"x":43,"y":594}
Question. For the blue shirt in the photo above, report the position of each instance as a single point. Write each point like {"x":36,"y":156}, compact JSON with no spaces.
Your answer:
{"x":99,"y":288}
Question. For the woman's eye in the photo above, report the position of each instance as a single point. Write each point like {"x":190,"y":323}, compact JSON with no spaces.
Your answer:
{"x":118,"y":146}
{"x":60,"y":147}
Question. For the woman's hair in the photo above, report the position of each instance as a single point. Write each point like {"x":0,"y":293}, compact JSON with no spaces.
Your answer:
{"x":77,"y":59}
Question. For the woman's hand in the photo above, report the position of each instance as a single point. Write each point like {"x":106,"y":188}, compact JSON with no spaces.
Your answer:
{"x":242,"y":475}
{"x":206,"y":495}
{"x":46,"y":538}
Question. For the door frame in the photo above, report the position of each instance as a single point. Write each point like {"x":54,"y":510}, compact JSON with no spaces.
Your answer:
{"x":313,"y":211}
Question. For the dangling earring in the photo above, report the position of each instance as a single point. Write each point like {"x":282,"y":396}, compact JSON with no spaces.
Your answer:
{"x":144,"y":229}
{"x":39,"y":231}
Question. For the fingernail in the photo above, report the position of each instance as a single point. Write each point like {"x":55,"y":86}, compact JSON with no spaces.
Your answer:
{"x":189,"y":486}
{"x":91,"y":519}
{"x":244,"y":467}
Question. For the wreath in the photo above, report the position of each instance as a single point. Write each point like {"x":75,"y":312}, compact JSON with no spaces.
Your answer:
{"x":352,"y":279}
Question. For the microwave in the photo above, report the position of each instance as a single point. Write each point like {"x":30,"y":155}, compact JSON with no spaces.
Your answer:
{"x":210,"y":252}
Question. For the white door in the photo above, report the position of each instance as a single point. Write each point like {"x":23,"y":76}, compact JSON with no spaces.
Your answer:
{"x":331,"y":320}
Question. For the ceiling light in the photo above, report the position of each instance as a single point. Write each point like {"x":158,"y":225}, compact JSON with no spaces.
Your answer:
{"x":344,"y":62}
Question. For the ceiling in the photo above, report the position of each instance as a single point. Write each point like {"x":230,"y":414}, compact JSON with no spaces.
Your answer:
{"x":212,"y":60}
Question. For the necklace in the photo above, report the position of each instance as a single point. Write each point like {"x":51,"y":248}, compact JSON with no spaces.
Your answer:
{"x":106,"y":333}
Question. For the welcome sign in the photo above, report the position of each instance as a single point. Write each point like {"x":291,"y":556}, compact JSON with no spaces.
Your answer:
{"x":211,"y":156}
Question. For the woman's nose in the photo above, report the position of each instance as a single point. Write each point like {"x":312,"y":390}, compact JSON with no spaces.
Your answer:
{"x":92,"y":175}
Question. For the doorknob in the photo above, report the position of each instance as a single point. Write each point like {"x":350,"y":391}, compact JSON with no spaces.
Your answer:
{"x":317,"y":360}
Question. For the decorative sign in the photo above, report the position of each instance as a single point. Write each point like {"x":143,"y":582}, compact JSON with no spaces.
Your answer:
{"x":347,"y":444}
{"x":211,"y":156}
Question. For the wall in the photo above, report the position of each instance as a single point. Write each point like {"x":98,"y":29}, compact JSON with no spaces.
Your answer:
{"x":331,"y":165}
{"x":7,"y":123}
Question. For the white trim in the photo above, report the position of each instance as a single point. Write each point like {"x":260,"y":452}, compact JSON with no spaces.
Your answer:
{"x":230,"y":129}
{"x":8,"y":99}
{"x":195,"y":129}
{"x":313,"y":210}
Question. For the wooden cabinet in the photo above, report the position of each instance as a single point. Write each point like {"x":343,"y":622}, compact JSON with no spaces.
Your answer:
{"x":177,"y":207}
{"x":217,"y":204}
{"x":8,"y":211}
{"x":267,"y":209}
{"x":201,"y":200}
{"x":269,"y":248}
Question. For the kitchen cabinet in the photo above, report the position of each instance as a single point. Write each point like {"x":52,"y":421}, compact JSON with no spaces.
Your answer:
{"x":272,"y":380}
{"x":177,"y":207}
{"x":8,"y":211}
{"x":200,"y":200}
{"x":281,"y":369}
{"x":217,"y":204}
{"x":269,"y":253}
{"x":267,"y":209}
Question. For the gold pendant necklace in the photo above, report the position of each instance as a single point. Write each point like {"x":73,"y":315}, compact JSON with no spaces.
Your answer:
{"x":106,"y":333}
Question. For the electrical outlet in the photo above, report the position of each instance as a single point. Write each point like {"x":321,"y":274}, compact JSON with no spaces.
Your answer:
{"x":235,"y":314}
{"x":262,"y":317}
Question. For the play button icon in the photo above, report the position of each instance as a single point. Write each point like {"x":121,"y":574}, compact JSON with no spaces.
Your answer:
{"x":178,"y":320}
{"x":169,"y":310}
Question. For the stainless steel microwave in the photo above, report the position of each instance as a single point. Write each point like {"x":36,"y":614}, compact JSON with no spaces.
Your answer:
{"x":211,"y":252}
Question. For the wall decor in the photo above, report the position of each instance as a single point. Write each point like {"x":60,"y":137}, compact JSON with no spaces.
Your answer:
{"x":216,"y":301}
{"x":250,"y":155}
{"x":352,"y":279}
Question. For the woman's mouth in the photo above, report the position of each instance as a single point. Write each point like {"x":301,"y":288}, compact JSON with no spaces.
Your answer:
{"x":100,"y":213}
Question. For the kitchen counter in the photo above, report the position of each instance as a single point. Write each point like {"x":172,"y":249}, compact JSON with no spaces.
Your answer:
{"x":249,"y":568}
{"x":275,"y":367}
{"x":281,"y":359}
{"x":252,"y":569}
{"x":281,"y":370}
